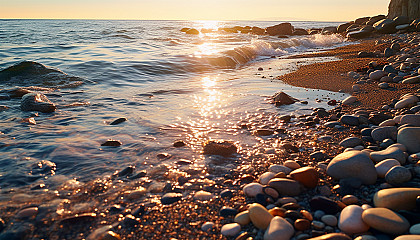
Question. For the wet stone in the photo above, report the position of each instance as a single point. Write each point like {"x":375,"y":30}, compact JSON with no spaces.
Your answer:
{"x":228,"y":212}
{"x":324,"y":204}
{"x":207,"y":226}
{"x":118,"y":121}
{"x":179,"y":143}
{"x":111,"y":143}
{"x":222,"y":148}
{"x":170,"y":198}
{"x":226,"y":194}
{"x":37,"y":102}
{"x":78,"y":218}
{"x":398,"y":175}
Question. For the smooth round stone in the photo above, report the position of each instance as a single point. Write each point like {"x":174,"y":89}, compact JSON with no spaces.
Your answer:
{"x":330,"y":220}
{"x":286,"y":200}
{"x":350,"y":120}
{"x":279,"y":229}
{"x":37,"y":102}
{"x":27,"y":212}
{"x":408,"y":237}
{"x":306,"y":215}
{"x":389,"y":153}
{"x":350,"y":199}
{"x":271,"y":192}
{"x":332,"y":236}
{"x":356,"y":88}
{"x":411,"y":119}
{"x":351,"y":220}
{"x":276,"y":211}
{"x":411,"y":80}
{"x":400,"y":146}
{"x":266,"y":177}
{"x":287,"y":187}
{"x":388,"y":122}
{"x":324,"y":204}
{"x":252,"y":189}
{"x":398,"y":175}
{"x":170,"y":198}
{"x":203,"y":196}
{"x":231,"y":229}
{"x":383,"y":167}
{"x":366,"y":237}
{"x":136,"y":194}
{"x":352,"y":164}
{"x":410,"y":138}
{"x":228,"y":211}
{"x":406,"y":102}
{"x":279,"y":168}
{"x":308,"y":176}
{"x":207,"y":226}
{"x":259,"y":216}
{"x":226,"y":193}
{"x":381,"y":133}
{"x":376,"y":75}
{"x":242,"y":218}
{"x":291,"y":164}
{"x":318,"y":225}
{"x":351,"y":142}
{"x":415,"y":229}
{"x":302,"y":224}
{"x":396,"y":198}
{"x":385,"y":220}
{"x":383,"y":85}
{"x":349,"y":100}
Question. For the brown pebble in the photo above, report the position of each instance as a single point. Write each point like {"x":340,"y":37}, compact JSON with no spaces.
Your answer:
{"x":280,"y":175}
{"x":271,"y":192}
{"x":179,"y":143}
{"x":247,"y":178}
{"x":341,"y":204}
{"x":243,"y":236}
{"x":291,"y":206}
{"x":302,"y":224}
{"x":349,"y":199}
{"x":27,"y":212}
{"x":281,"y":212}
{"x":307,"y":215}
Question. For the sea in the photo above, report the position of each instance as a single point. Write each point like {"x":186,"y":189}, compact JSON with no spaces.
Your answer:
{"x":169,"y":86}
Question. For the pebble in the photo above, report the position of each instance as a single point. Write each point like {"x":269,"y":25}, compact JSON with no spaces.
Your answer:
{"x":366,"y":237}
{"x":266,"y":177}
{"x":318,"y":225}
{"x":291,"y":164}
{"x":410,"y":138}
{"x":351,"y":220}
{"x":27,"y":212}
{"x":332,"y":236}
{"x":276,"y":211}
{"x":383,"y":166}
{"x":383,"y":85}
{"x":170,"y":198}
{"x":389,"y":153}
{"x":350,"y":199}
{"x":381,"y":133}
{"x":349,"y":120}
{"x":351,"y":142}
{"x":203,"y":196}
{"x":408,"y":237}
{"x":349,"y":100}
{"x":207,"y":226}
{"x":252,"y":189}
{"x":279,"y":229}
{"x":385,"y":220}
{"x":287,"y":187}
{"x":308,"y":176}
{"x":411,"y":80}
{"x":112,"y":143}
{"x":228,"y":211}
{"x":136,"y":194}
{"x":242,"y":218}
{"x":118,"y":121}
{"x":415,"y":229}
{"x":179,"y":143}
{"x":352,"y":164}
{"x":231,"y":229}
{"x":324,"y":204}
{"x":302,"y":224}
{"x":222,"y":148}
{"x":406,"y":102}
{"x":37,"y":102}
{"x":376,"y":75}
{"x":330,"y":220}
{"x":398,"y":175}
{"x":279,"y":168}
{"x":411,"y":119}
{"x":259,"y":216}
{"x":396,"y":198}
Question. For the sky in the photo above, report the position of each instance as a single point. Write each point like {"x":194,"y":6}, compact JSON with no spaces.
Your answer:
{"x":318,"y":10}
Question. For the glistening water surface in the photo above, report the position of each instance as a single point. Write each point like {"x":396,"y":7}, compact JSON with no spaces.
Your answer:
{"x":168,"y":84}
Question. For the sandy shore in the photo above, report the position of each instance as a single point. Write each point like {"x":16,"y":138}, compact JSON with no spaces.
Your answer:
{"x":332,"y":76}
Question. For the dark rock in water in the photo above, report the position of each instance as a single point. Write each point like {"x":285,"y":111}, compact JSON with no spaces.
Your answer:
{"x":116,"y":209}
{"x":282,"y":36}
{"x":126,"y":171}
{"x":112,"y":143}
{"x":263,"y":132}
{"x":78,"y":218}
{"x":375,"y":19}
{"x":179,"y":143}
{"x":192,"y":31}
{"x":37,"y":102}
{"x":185,"y":29}
{"x":257,"y":30}
{"x":163,"y":156}
{"x":342,"y":27}
{"x":170,"y":198}
{"x":281,"y":98}
{"x":118,"y":121}
{"x":324,"y":204}
{"x":300,"y":32}
{"x":226,"y":193}
{"x":362,"y":20}
{"x":318,"y":156}
{"x":33,"y":73}
{"x":228,"y":211}
{"x":222,"y":148}
{"x":129,"y":221}
{"x":280,"y":29}
{"x":140,"y":174}
{"x":184,"y":162}
{"x":385,"y":26}
{"x":139,"y":211}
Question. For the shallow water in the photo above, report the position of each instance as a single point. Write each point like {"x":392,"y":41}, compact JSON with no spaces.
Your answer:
{"x":168,"y":85}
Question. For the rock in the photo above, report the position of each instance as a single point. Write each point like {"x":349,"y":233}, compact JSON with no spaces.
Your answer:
{"x":170,"y":198}
{"x":300,"y":32}
{"x":408,"y":237}
{"x":136,"y":194}
{"x":349,"y":100}
{"x":388,"y":52}
{"x":350,"y":120}
{"x":389,"y":153}
{"x":389,"y":122}
{"x":179,"y":143}
{"x":207,"y":226}
{"x":279,"y":168}
{"x":381,"y":133}
{"x":385,"y":26}
{"x":27,"y":212}
{"x":352,"y":164}
{"x":281,"y":98}
{"x":302,"y":224}
{"x":192,"y":31}
{"x":291,"y":164}
{"x":203,"y":196}
{"x":222,"y":148}
{"x":280,"y":29}
{"x":359,"y":34}
{"x":279,"y":229}
{"x":350,"y":199}
{"x":330,"y":220}
{"x":406,"y":102}
{"x":231,"y":229}
{"x":332,"y":236}
{"x":287,"y":187}
{"x":412,"y":80}
{"x":266,"y":177}
{"x":259,"y":216}
{"x":324,"y":204}
{"x":351,"y":142}
{"x":351,"y":220}
{"x":385,"y":220}
{"x":228,"y":211}
{"x":242,"y":218}
{"x":415,"y":229}
{"x":37,"y":102}
{"x":411,"y":119}
{"x":396,"y":198}
{"x":383,"y":166}
{"x":398,"y":175}
{"x":377,"y":74}
{"x":410,"y":138}
{"x":258,"y":31}
{"x":342,"y":27}
{"x":112,"y":143}
{"x":252,"y":189}
{"x":308,"y":176}
{"x":383,"y":85}
{"x":118,"y":121}
{"x":263,"y":132}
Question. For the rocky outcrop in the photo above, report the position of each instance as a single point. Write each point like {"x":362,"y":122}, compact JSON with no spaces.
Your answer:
{"x":409,"y":8}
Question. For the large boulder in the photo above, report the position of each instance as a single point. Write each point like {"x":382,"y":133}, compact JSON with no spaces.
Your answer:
{"x":280,"y":29}
{"x":408,"y":8}
{"x":385,"y":26}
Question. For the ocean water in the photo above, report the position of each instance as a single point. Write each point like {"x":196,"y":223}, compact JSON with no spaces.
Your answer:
{"x":169,"y":85}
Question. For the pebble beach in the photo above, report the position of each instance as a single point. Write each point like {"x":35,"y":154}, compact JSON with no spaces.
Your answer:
{"x":349,"y":172}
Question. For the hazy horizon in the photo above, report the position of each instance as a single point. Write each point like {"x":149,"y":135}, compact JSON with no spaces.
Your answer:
{"x":223,"y":10}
